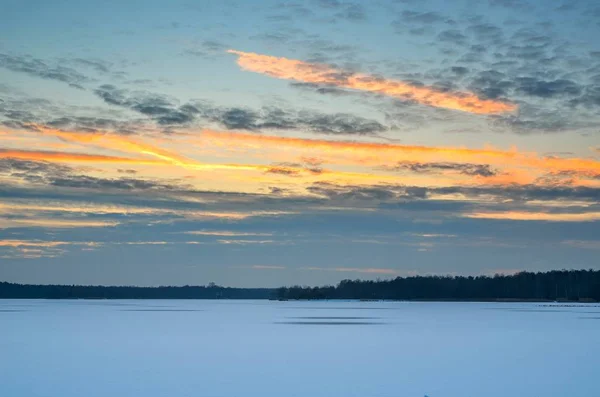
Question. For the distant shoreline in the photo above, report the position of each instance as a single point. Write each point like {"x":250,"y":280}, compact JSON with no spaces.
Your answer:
{"x":560,"y":286}
{"x":558,"y":303}
{"x":100,"y":292}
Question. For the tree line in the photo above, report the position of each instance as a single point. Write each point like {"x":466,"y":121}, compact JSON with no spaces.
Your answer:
{"x":561,"y":285}
{"x":211,"y":291}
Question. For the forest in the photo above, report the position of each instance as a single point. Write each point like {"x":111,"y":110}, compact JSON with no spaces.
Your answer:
{"x":561,"y":285}
{"x":557,"y":285}
{"x":211,"y":291}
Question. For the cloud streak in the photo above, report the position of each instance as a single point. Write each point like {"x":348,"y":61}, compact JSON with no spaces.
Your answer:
{"x":70,"y":157}
{"x":291,"y":69}
{"x":374,"y":154}
{"x":537,"y":216}
{"x":483,"y":170}
{"x":39,"y":68}
{"x":51,"y":223}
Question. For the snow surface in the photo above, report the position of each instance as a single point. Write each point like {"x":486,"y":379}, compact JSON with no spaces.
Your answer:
{"x":104,"y":348}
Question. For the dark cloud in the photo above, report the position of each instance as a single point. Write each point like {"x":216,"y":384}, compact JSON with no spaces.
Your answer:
{"x":274,"y":37}
{"x":340,"y":56}
{"x":526,"y":54}
{"x":590,"y":97}
{"x":541,"y":119}
{"x":529,"y":192}
{"x":95,"y":183}
{"x":293,"y":169}
{"x":50,"y":174}
{"x":394,"y":193}
{"x":22,"y":113}
{"x":239,"y":119}
{"x":38,"y":68}
{"x":430,"y":17}
{"x":313,"y":161}
{"x":286,"y":119}
{"x":93,"y":124}
{"x":484,"y":170}
{"x":322,"y":89}
{"x":473,"y":56}
{"x":491,"y":84}
{"x":563,"y":178}
{"x":162,"y":109}
{"x":459,"y":70}
{"x":17,"y":125}
{"x":452,"y":36}
{"x":486,"y":33}
{"x":315,"y":48}
{"x":157,"y":195}
{"x":97,"y":65}
{"x":344,"y":10}
{"x":480,"y":55}
{"x":167,"y":111}
{"x":33,"y":171}
{"x":420,"y":23}
{"x":339,"y":123}
{"x":282,"y":171}
{"x":208,"y":49}
{"x":338,"y":192}
{"x":501,"y":62}
{"x":277,"y":190}
{"x":547,"y":89}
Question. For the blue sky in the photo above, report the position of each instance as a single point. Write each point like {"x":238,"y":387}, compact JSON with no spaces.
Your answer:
{"x":267,"y":143}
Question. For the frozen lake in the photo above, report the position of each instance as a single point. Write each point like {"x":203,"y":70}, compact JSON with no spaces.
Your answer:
{"x":312,"y":349}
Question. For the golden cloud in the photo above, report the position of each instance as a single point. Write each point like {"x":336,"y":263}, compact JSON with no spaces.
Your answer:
{"x":537,"y":216}
{"x":291,"y":69}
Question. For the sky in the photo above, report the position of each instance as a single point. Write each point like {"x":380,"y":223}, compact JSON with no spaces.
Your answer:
{"x":270,"y":143}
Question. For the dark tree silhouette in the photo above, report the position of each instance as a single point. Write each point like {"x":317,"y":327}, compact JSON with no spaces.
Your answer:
{"x":212,"y":291}
{"x":567,"y":285}
{"x":562,"y":285}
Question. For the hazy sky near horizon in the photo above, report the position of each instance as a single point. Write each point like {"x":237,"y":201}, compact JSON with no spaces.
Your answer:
{"x":260,"y":143}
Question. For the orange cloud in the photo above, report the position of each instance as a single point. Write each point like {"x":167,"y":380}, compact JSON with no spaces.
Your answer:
{"x":514,"y":167}
{"x":33,"y":249}
{"x":85,"y":208}
{"x":357,"y":153}
{"x":118,"y":143}
{"x":291,"y":69}
{"x":53,"y":223}
{"x":370,"y":153}
{"x":42,"y":243}
{"x":536,"y":216}
{"x":245,"y":242}
{"x":137,"y":147}
{"x":68,"y":157}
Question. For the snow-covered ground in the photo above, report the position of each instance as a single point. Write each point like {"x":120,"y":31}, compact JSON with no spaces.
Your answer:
{"x":311,"y":349}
